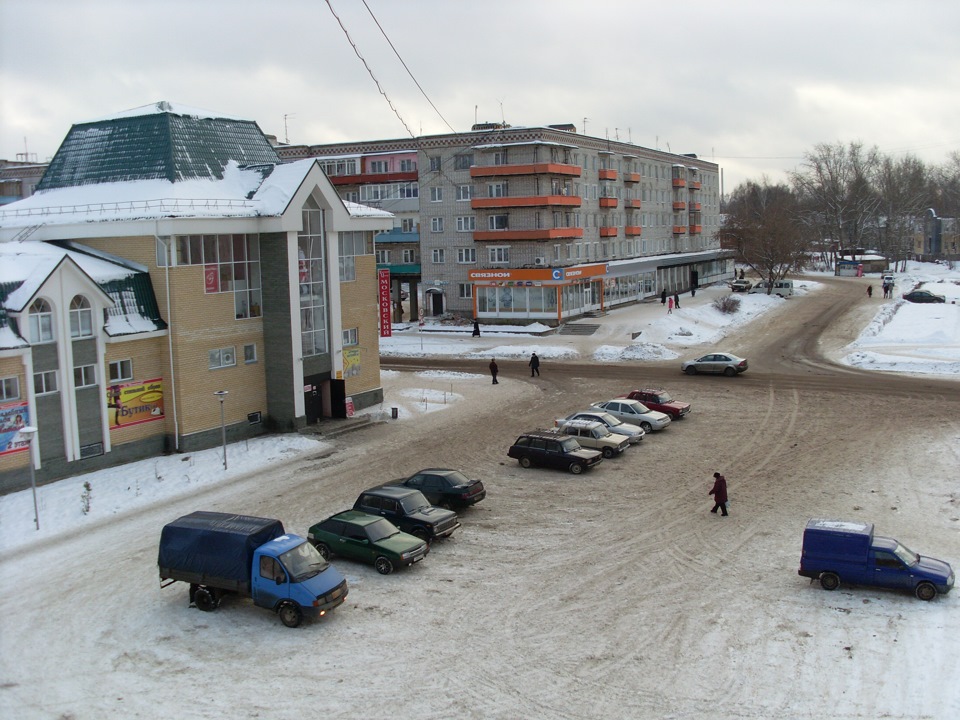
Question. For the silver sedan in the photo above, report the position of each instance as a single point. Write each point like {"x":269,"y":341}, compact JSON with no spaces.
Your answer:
{"x":716,"y":363}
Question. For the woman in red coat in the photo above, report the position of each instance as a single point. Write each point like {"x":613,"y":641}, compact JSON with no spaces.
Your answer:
{"x":719,"y":493}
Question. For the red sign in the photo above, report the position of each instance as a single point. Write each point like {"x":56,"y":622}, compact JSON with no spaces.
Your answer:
{"x":383,"y":295}
{"x":211,"y":279}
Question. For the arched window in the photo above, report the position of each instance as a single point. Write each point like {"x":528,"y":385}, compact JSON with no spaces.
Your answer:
{"x":40,"y":322}
{"x":81,"y":317}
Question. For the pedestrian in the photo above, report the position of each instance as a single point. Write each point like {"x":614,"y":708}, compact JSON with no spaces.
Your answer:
{"x":534,"y":365}
{"x":494,"y":370}
{"x":663,"y":296}
{"x":669,"y":305}
{"x":676,"y":300}
{"x":870,"y":291}
{"x":693,"y":292}
{"x":741,"y":273}
{"x":719,"y":493}
{"x":476,"y":328}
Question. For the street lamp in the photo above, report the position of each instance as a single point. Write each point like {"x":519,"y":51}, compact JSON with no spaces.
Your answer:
{"x":30,"y":432}
{"x":221,"y":394}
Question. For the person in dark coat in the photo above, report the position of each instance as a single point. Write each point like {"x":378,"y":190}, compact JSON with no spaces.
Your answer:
{"x":494,"y":370}
{"x":534,"y":365}
{"x":476,"y":328}
{"x":719,"y":493}
{"x":870,"y":291}
{"x":676,"y":300}
{"x":663,"y":296}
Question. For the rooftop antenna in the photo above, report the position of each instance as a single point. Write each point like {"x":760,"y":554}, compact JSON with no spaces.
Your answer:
{"x":585,"y":125}
{"x":616,"y":134}
{"x":286,"y":134}
{"x":476,"y":119}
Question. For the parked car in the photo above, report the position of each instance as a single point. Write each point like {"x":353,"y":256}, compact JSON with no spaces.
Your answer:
{"x":367,"y":538}
{"x":782,"y":288}
{"x":634,"y":432}
{"x":741,"y":285}
{"x":445,"y":488}
{"x":923,"y":296}
{"x":836,"y":551}
{"x":546,"y":448}
{"x":409,"y":510}
{"x":659,"y":399}
{"x":634,"y":411}
{"x":594,"y":435}
{"x":717,"y":363}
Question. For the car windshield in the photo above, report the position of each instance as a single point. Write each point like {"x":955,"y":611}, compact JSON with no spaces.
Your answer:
{"x":609,"y":420}
{"x":909,"y":557}
{"x":303,"y":562}
{"x":458,"y":478}
{"x":639,"y":407}
{"x":570,"y":445}
{"x":663,"y":398}
{"x":381,"y":529}
{"x":601,"y":431}
{"x":414,"y":501}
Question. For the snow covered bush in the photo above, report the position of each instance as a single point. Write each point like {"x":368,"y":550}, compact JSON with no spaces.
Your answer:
{"x":727,"y":304}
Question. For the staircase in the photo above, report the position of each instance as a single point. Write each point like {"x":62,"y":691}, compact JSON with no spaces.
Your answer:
{"x":577,"y":329}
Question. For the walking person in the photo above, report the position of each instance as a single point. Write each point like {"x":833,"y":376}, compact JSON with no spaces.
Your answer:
{"x":869,"y":291}
{"x":534,"y":365}
{"x":663,"y":296}
{"x":669,"y":306}
{"x":494,"y":370}
{"x":476,"y":328}
{"x":719,"y":493}
{"x":676,"y":300}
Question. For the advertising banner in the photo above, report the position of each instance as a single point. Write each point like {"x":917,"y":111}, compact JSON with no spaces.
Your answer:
{"x":134,"y":403}
{"x":383,"y":296}
{"x":13,"y":417}
{"x":351,"y":362}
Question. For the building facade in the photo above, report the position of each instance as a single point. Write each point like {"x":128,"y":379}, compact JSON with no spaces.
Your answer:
{"x":538,"y":223}
{"x":153,"y":269}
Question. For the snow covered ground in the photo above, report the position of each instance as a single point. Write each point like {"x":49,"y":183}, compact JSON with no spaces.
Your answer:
{"x":918,"y":339}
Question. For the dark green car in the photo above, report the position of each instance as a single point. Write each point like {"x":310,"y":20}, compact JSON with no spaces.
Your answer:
{"x":368,"y":538}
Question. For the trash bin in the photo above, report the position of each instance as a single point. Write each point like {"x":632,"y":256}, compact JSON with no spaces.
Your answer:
{"x":394,"y":413}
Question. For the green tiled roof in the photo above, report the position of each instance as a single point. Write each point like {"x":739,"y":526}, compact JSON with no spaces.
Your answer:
{"x":155,"y":146}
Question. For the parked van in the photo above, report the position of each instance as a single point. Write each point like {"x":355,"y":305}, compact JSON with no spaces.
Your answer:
{"x":783,"y":288}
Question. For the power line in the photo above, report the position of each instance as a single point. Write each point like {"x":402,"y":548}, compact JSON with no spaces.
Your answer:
{"x":369,"y":71}
{"x":422,"y":92}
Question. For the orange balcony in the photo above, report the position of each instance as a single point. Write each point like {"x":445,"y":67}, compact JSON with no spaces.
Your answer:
{"x":632,"y":204}
{"x":632,"y":231}
{"x":608,"y":174}
{"x":679,"y":229}
{"x":631,"y":177}
{"x":679,"y":206}
{"x":695,"y":206}
{"x":526,"y":169}
{"x":538,"y":234}
{"x":694,"y":184}
{"x":696,"y":229}
{"x":679,"y":182}
{"x":530,"y":201}
{"x":608,"y":202}
{"x":608,"y":232}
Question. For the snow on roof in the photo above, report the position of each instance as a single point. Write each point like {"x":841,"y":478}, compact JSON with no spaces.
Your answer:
{"x":163,"y":106}
{"x":487,"y":146}
{"x":20,"y":260}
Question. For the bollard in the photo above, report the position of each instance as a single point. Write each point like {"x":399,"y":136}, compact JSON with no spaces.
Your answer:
{"x":394,"y":413}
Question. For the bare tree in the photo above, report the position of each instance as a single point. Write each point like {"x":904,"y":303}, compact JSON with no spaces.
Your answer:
{"x":764,"y":226}
{"x":904,"y":193}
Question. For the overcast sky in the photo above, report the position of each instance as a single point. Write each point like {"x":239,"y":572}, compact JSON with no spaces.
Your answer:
{"x":749,"y":84}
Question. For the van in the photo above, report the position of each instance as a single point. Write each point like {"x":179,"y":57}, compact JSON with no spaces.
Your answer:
{"x":782,"y":288}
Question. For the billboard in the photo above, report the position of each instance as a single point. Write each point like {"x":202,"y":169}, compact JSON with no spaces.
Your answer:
{"x":383,"y":298}
{"x":134,"y":403}
{"x":13,"y":416}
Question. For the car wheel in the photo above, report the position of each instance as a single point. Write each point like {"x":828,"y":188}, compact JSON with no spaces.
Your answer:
{"x":324,"y":550}
{"x":576,"y":468}
{"x":829,"y":581}
{"x":691,"y":370}
{"x":646,"y":427}
{"x":926,"y":591}
{"x":525,"y":462}
{"x":729,"y":372}
{"x":421,"y":533}
{"x":290,"y":614}
{"x":204,"y":600}
{"x":608,"y":453}
{"x":383,"y":565}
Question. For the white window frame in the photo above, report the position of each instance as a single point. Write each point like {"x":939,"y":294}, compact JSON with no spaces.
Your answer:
{"x":436,"y":194}
{"x":379,"y":167}
{"x":498,"y":222}
{"x":464,"y":192}
{"x":224,"y":357}
{"x":10,"y":388}
{"x":120,"y":370}
{"x":436,"y":224}
{"x":465,"y":291}
{"x":383,"y":257}
{"x":409,"y":256}
{"x":467,"y":256}
{"x":437,"y":256}
{"x":250,"y":354}
{"x":40,"y":322}
{"x":84,"y":376}
{"x":351,"y":337}
{"x":466,"y":223}
{"x":408,"y":224}
{"x":45,"y":383}
{"x":81,"y":317}
{"x":498,"y":254}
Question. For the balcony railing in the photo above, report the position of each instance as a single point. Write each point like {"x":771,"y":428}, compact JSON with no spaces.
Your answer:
{"x":631,"y":177}
{"x":526,"y":201}
{"x":532,"y":234}
{"x":608,"y":232}
{"x":633,"y":231}
{"x":608,"y":202}
{"x":632,"y":204}
{"x":679,"y":206}
{"x":679,"y":229}
{"x":679,"y":182}
{"x":525,"y":169}
{"x":608,"y":174}
{"x":696,"y":229}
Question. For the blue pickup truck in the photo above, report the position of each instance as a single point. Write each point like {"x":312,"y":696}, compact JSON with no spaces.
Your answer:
{"x":221,"y":554}
{"x":836,"y":551}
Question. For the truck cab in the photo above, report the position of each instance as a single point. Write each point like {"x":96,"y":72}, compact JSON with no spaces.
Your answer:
{"x":836,"y":551}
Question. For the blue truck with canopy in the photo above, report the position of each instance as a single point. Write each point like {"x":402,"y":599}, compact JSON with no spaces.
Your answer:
{"x":836,"y":551}
{"x":220,"y":554}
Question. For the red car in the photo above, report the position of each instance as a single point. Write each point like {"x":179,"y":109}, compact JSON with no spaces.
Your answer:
{"x":661,"y":400}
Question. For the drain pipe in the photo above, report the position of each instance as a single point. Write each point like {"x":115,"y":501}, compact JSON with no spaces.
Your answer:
{"x":167,"y":259}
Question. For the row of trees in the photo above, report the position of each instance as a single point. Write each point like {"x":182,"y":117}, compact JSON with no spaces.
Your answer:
{"x":841,"y":197}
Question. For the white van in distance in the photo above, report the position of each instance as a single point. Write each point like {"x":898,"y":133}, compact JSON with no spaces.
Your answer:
{"x":783,"y":288}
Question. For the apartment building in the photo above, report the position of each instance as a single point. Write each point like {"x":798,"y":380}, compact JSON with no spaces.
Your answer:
{"x":533,"y":223}
{"x":168,"y":256}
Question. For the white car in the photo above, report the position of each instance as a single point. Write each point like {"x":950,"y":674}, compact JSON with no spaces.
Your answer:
{"x":634,"y":412}
{"x":634,"y":432}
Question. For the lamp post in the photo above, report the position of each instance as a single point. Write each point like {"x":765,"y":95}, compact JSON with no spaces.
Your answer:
{"x":221,"y":394}
{"x":31,"y":432}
